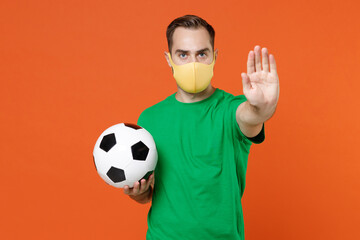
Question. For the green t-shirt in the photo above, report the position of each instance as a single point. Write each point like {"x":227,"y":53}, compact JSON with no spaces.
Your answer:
{"x":200,"y":174}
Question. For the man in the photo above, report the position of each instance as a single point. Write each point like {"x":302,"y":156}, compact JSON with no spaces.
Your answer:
{"x":203,"y":137}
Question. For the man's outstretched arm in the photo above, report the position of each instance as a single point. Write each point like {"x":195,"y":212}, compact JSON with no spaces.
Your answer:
{"x":261,"y":89}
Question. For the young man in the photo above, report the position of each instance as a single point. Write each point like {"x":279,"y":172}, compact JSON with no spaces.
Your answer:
{"x":203,"y":137}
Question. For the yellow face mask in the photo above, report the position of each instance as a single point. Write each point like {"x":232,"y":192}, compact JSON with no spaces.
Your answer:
{"x":193,"y":77}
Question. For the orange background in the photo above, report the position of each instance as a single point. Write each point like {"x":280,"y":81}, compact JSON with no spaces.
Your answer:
{"x":70,"y":69}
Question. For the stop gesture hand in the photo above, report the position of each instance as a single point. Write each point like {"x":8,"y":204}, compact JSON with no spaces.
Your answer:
{"x":261,"y":83}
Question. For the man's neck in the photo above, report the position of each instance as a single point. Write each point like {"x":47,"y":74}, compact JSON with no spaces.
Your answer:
{"x":186,"y":97}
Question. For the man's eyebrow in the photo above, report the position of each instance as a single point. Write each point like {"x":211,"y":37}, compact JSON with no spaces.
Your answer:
{"x":187,"y":51}
{"x":203,"y":50}
{"x":181,"y":51}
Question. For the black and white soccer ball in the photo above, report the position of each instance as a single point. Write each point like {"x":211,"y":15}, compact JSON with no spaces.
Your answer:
{"x":125,"y":153}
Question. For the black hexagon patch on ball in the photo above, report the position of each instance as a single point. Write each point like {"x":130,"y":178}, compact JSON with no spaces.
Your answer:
{"x":139,"y":151}
{"x":147,"y":175}
{"x":116,"y":174}
{"x":108,"y":142}
{"x":134,"y":126}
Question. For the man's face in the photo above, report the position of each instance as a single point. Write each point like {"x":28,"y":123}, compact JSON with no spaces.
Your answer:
{"x":191,"y":45}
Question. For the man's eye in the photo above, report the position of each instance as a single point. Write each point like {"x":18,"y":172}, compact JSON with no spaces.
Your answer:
{"x":202,"y":54}
{"x":182,"y":55}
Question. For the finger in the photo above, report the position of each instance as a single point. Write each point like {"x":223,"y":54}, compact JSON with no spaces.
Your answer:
{"x":136,"y":188}
{"x":246,"y":82}
{"x":265,"y":60}
{"x":257,"y":59}
{"x":251,"y":62}
{"x":143,"y":185}
{"x":272,"y":64}
{"x":150,"y":180}
{"x":126,"y":190}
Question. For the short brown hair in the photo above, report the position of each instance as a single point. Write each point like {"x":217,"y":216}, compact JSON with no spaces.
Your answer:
{"x":189,"y":21}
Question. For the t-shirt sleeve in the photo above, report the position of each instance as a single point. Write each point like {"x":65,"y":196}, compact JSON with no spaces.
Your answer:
{"x":234,"y":104}
{"x":260,"y":137}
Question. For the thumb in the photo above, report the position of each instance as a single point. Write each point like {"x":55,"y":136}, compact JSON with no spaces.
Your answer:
{"x":245,"y":81}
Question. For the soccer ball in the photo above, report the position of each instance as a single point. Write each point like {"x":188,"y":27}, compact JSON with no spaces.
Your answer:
{"x":124,"y":154}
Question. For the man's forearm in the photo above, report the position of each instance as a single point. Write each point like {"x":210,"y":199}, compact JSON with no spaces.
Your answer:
{"x":250,"y":118}
{"x":252,"y":115}
{"x":144,"y":197}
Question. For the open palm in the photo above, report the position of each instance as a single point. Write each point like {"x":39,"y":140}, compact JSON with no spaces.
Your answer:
{"x":261,"y":83}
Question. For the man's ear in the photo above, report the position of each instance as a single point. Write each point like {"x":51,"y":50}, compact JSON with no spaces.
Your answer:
{"x":216,"y":54}
{"x":167,"y":58}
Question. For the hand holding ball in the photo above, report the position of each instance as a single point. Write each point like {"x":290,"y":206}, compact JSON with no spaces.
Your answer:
{"x":124,"y":154}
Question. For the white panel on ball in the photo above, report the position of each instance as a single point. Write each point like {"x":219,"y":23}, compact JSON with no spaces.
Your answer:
{"x":124,"y":153}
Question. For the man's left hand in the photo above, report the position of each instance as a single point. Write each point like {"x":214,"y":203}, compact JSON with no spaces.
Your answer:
{"x":261,"y":84}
